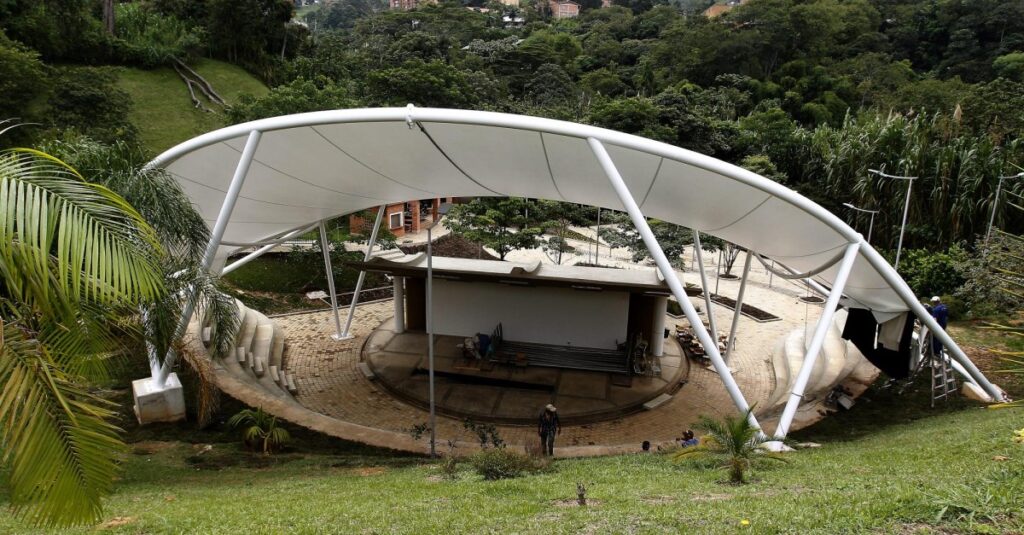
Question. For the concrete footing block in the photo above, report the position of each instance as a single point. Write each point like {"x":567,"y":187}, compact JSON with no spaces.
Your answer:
{"x":974,"y":392}
{"x":158,"y":404}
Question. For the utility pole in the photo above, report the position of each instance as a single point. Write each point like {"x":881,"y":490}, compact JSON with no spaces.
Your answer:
{"x":995,"y":203}
{"x":906,"y":207}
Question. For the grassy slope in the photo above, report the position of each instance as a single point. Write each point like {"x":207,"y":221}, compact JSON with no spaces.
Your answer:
{"x":162,"y":109}
{"x":914,"y":465}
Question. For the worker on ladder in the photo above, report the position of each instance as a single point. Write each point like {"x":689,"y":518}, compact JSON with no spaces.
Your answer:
{"x":940,"y":312}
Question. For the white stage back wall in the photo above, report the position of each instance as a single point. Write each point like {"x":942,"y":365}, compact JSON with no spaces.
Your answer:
{"x":546,"y":315}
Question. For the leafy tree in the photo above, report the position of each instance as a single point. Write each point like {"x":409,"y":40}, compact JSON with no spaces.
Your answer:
{"x":762,"y":165}
{"x":499,"y":223}
{"x":66,"y":30}
{"x":557,"y":217}
{"x":550,"y":86}
{"x":152,"y":38}
{"x":298,"y":96}
{"x":183,"y":234}
{"x":1010,"y":66}
{"x":60,"y":445}
{"x":85,"y":99}
{"x":994,"y":108}
{"x":637,"y":6}
{"x":993,"y":277}
{"x":21,"y":77}
{"x":422,"y":83}
{"x":933,"y":273}
{"x":673,"y":238}
{"x":246,"y":30}
{"x":603,"y":81}
{"x":343,"y":14}
{"x":629,"y":115}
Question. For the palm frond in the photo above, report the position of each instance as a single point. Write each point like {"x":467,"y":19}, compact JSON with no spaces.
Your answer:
{"x":58,"y":442}
{"x":103,"y":249}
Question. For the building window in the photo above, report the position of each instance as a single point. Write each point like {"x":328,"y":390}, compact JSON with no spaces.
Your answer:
{"x":395,"y":220}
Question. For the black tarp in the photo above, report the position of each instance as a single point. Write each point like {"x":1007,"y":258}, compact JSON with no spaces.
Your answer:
{"x":860,"y":329}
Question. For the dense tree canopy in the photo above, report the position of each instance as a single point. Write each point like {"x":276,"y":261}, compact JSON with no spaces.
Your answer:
{"x":811,"y":93}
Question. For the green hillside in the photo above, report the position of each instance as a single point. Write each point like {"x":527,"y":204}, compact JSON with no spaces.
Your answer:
{"x":162,"y":110}
{"x":956,"y":472}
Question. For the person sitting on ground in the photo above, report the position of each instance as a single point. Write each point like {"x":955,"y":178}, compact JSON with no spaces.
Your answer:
{"x":547,"y":427}
{"x":689,"y":439}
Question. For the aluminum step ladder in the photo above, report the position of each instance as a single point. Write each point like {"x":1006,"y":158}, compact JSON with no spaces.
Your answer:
{"x":944,"y":383}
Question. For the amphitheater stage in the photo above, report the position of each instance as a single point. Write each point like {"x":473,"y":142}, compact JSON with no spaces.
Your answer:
{"x":510,"y":394}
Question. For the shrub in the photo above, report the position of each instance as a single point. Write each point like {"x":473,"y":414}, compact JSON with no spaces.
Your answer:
{"x":486,"y":434}
{"x":260,"y":430}
{"x":994,"y":277}
{"x":151,"y":38}
{"x":733,"y":441}
{"x":502,"y":463}
{"x":86,"y":100}
{"x":933,"y":273}
{"x":21,"y":78}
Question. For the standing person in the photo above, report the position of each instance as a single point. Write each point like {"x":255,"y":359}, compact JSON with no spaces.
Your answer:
{"x":940,"y":312}
{"x":547,"y":428}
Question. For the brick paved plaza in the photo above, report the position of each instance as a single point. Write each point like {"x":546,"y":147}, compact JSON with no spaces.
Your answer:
{"x":336,"y":398}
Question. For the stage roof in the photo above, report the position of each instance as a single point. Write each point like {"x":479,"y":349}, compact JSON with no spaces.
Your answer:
{"x":313,"y":166}
{"x":585,"y":278}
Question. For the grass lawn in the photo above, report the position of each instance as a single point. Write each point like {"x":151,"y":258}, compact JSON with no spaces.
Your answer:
{"x":935,"y":473}
{"x":891,"y":464}
{"x":162,"y":109}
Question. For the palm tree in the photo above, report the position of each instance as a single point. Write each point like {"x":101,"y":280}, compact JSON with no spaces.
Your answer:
{"x":733,"y":440}
{"x":261,"y":429}
{"x":184,"y":236}
{"x":76,"y":260}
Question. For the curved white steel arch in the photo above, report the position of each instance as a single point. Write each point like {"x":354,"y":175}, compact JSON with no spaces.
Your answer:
{"x":286,"y":161}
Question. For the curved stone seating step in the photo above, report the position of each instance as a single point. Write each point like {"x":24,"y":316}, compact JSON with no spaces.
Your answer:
{"x":268,"y":383}
{"x":290,"y":380}
{"x":277,"y":348}
{"x":246,"y":332}
{"x":259,"y":342}
{"x":783,"y":373}
{"x":261,"y":345}
{"x":247,"y":375}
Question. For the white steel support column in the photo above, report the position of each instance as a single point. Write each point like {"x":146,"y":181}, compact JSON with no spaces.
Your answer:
{"x":718,"y":269}
{"x":325,"y":248}
{"x":362,"y":274}
{"x":259,"y":252}
{"x":699,"y":252}
{"x":817,"y":340}
{"x":658,"y":326}
{"x":221,"y":225}
{"x":889,"y":274}
{"x":739,"y":306}
{"x":399,"y":295}
{"x":430,"y":341}
{"x":710,"y":346}
{"x":906,"y":210}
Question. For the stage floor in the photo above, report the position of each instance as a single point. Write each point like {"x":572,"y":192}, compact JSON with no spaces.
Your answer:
{"x":507,"y":394}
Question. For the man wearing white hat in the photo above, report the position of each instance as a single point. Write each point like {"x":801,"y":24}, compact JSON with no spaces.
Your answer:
{"x":547,"y":428}
{"x":940,"y":312}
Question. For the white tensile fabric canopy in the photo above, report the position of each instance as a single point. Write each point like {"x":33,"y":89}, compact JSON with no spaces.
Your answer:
{"x":314,"y":166}
{"x":288,"y":173}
